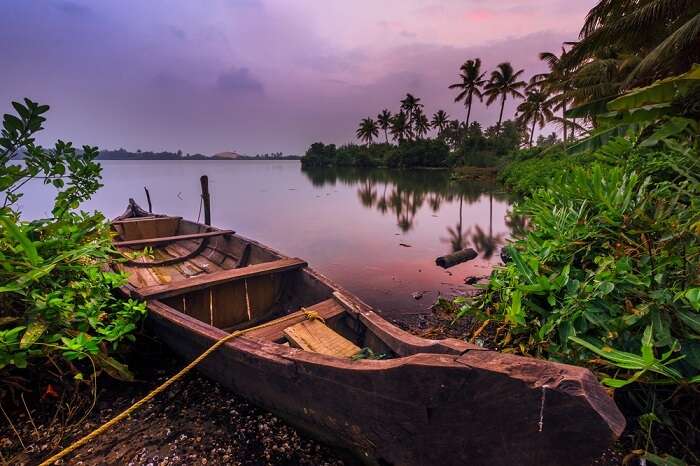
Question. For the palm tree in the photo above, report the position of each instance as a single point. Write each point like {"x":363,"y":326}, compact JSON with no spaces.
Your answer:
{"x":384,"y":120}
{"x":421,"y":124}
{"x":368,"y":130}
{"x":410,"y":104}
{"x":472,"y":82}
{"x":400,"y":128}
{"x":504,"y":82}
{"x":664,"y":34}
{"x":536,"y":108}
{"x":440,"y":121}
{"x":557,"y":82}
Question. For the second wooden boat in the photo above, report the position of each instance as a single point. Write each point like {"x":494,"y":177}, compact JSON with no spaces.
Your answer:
{"x":330,"y":365}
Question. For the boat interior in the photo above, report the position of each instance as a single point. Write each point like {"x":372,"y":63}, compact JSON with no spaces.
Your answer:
{"x":232,"y":283}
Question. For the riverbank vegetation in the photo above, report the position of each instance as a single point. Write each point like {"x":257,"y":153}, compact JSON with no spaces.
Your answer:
{"x":61,"y":324}
{"x":606,"y":275}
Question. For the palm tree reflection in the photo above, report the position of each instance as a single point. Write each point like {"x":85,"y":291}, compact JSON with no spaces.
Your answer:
{"x":404,"y":193}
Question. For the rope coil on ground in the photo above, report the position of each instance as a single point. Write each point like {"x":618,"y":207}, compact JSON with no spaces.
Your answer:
{"x":309,"y":315}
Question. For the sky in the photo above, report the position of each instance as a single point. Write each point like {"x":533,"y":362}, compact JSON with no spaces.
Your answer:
{"x":257,"y":76}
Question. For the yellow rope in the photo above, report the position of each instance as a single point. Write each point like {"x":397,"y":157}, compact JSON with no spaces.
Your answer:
{"x":310,"y":315}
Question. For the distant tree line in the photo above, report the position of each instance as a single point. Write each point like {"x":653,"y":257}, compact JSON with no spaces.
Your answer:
{"x":123,"y":154}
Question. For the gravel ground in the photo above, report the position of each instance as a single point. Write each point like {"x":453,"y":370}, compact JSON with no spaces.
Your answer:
{"x":196,"y":421}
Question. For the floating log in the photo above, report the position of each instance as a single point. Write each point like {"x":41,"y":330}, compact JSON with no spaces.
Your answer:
{"x":455,"y":258}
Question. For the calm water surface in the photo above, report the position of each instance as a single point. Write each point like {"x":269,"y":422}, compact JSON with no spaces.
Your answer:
{"x":351,"y":225}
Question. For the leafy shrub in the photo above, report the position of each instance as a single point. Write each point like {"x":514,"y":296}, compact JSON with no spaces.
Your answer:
{"x":607,"y":276}
{"x":56,"y":291}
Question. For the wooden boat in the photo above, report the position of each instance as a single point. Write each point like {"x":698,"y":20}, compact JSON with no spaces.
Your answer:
{"x":425,"y":402}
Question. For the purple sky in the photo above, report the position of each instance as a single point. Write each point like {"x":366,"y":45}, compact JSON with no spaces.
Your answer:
{"x":256,"y":75}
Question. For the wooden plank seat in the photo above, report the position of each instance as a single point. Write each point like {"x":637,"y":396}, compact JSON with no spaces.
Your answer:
{"x":314,"y":335}
{"x":144,"y":219}
{"x":328,"y":310}
{"x":166,"y":239}
{"x":203,"y":281}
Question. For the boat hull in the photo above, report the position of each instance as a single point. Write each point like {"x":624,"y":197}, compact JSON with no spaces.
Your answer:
{"x":478,"y":408}
{"x":444,"y":402}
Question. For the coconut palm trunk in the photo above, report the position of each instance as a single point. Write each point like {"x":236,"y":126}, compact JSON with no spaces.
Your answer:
{"x":532,"y":131}
{"x":469,"y":107}
{"x":563,"y":115}
{"x":500,"y":116}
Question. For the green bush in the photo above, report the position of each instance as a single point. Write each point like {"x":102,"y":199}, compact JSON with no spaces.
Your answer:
{"x":57,"y":299}
{"x":606,"y":277}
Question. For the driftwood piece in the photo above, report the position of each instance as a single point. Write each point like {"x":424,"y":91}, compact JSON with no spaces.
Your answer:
{"x":455,"y":258}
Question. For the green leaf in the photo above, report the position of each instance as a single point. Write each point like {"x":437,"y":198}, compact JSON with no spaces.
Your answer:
{"x":12,"y":123}
{"x":515,"y":312}
{"x":592,"y":108}
{"x":521,"y":265}
{"x":663,"y":91}
{"x":114,"y":368}
{"x":672,"y":128}
{"x":17,"y":234}
{"x":598,"y":140}
{"x":22,"y":110}
{"x":691,"y":319}
{"x":693,"y":297}
{"x":34,"y":331}
{"x":648,"y":345}
{"x":665,"y":460}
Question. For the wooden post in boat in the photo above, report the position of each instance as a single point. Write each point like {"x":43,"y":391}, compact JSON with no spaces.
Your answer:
{"x":204,"y":180}
{"x":148,"y":198}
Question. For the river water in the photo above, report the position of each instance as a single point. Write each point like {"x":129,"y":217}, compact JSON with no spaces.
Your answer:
{"x":375,"y":232}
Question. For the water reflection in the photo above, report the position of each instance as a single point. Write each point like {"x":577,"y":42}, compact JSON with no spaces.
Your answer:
{"x":403,"y":194}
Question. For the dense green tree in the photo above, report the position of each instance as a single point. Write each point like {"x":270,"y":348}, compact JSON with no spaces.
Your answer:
{"x":368,"y":130}
{"x":472,"y":80}
{"x":384,"y":121}
{"x":504,"y":82}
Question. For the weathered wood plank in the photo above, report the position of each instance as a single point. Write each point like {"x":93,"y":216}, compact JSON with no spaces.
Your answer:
{"x":263,"y":293}
{"x":142,"y":219}
{"x":149,"y":228}
{"x":198,"y":305}
{"x":165,"y":239}
{"x":200,"y":262}
{"x":329,"y":309}
{"x":229,"y":304}
{"x":217,"y":278}
{"x":314,"y":335}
